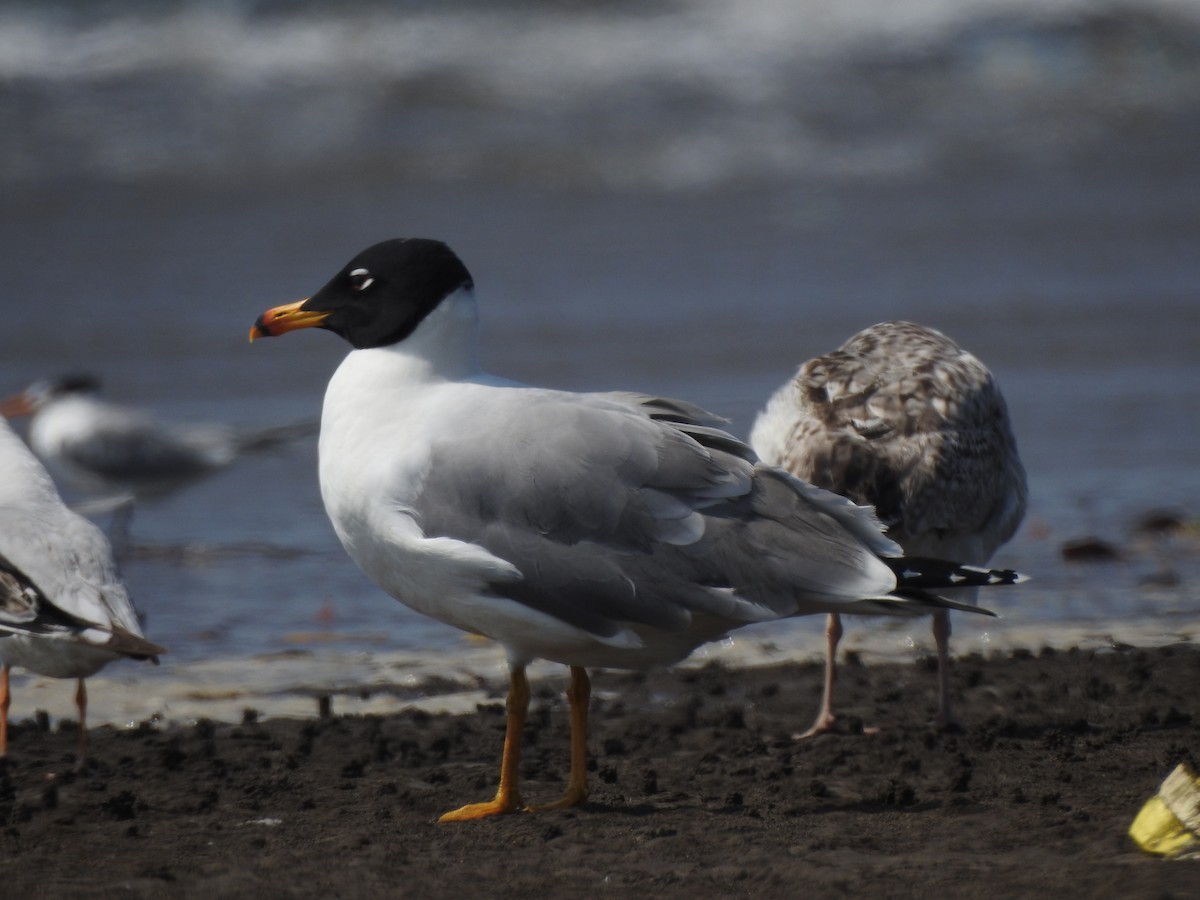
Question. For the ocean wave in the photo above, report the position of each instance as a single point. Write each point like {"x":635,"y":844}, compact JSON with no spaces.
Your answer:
{"x":663,"y":95}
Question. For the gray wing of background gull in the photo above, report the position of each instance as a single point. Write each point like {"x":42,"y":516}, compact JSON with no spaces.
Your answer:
{"x":62,"y":583}
{"x":103,"y":447}
{"x":129,"y":446}
{"x":628,"y":509}
{"x":56,"y":567}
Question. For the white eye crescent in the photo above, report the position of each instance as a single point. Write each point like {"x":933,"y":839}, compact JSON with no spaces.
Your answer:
{"x":360,"y":279}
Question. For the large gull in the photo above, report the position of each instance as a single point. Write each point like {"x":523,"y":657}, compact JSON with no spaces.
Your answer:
{"x":903,"y":419}
{"x":64,"y":612}
{"x":601,"y":529}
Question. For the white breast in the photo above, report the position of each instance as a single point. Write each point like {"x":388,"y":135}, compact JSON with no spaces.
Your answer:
{"x":381,"y":419}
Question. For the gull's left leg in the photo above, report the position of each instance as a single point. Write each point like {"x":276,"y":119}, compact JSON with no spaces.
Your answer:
{"x":81,"y":704}
{"x":508,"y":797}
{"x":945,"y":717}
{"x":579,"y":694}
{"x":825,"y":717}
{"x":5,"y":700}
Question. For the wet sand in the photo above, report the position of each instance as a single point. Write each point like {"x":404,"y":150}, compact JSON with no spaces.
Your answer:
{"x":697,"y":790}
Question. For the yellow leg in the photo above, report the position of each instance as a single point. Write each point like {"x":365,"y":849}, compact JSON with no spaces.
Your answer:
{"x":578,"y":695}
{"x":5,"y":700}
{"x":508,"y":796}
{"x":81,"y":703}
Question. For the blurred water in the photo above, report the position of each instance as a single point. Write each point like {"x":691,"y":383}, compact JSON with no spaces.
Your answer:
{"x":668,"y":198}
{"x":662,"y":94}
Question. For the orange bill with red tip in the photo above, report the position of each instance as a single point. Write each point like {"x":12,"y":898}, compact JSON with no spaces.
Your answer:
{"x":289,"y":317}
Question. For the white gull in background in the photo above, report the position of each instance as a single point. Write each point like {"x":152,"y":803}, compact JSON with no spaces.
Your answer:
{"x":118,"y":454}
{"x":903,"y":419}
{"x":607,"y":529}
{"x":64,"y":612}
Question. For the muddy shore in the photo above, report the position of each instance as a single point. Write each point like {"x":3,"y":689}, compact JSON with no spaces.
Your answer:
{"x":697,"y":790}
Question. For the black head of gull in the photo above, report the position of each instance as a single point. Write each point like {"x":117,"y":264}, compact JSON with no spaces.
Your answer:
{"x":601,"y":529}
{"x":40,"y":393}
{"x":379,"y":297}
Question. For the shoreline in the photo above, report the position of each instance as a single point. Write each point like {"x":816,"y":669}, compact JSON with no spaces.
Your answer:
{"x":708,"y":795}
{"x":291,"y":682}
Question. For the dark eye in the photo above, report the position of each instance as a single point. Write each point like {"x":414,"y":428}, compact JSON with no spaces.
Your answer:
{"x":360,"y":279}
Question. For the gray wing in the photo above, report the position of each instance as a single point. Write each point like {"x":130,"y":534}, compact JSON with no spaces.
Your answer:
{"x":129,"y":446}
{"x":903,"y":419}
{"x":57,"y":575}
{"x":632,"y":509}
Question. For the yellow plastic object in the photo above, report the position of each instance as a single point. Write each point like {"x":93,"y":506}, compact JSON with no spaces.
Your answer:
{"x":1169,"y":823}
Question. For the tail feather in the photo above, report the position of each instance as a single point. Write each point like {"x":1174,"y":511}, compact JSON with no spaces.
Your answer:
{"x":133,"y":645}
{"x":913,"y":602}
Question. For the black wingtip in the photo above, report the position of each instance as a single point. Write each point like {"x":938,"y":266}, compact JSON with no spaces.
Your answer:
{"x":928,"y":573}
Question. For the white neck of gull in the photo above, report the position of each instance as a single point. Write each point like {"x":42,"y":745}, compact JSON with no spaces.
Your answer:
{"x":445,"y":346}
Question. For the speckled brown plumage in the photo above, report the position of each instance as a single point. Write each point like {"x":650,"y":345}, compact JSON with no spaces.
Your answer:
{"x":903,"y":419}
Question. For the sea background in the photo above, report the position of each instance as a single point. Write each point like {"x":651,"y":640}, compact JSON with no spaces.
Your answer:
{"x":687,"y":198}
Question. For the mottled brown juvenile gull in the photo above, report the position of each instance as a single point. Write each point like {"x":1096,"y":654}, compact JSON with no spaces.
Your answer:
{"x":614,"y":529}
{"x":903,"y":419}
{"x":64,"y":612}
